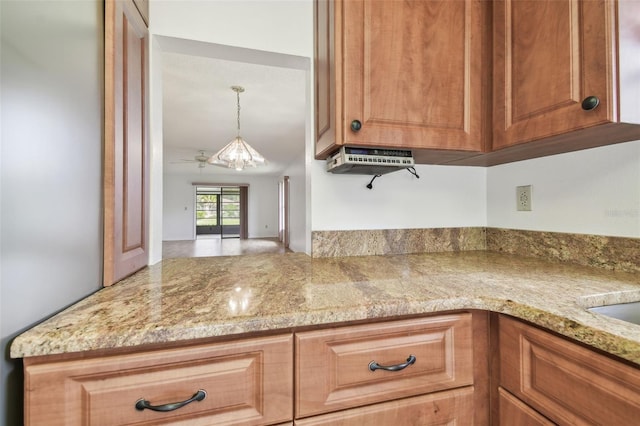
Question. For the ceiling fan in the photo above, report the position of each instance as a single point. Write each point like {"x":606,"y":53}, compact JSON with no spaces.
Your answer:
{"x":201,"y":159}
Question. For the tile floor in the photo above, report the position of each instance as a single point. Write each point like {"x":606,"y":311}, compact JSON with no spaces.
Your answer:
{"x":215,"y":246}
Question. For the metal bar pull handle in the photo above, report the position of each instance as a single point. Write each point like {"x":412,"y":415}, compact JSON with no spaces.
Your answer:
{"x":142,"y":403}
{"x":373,"y":366}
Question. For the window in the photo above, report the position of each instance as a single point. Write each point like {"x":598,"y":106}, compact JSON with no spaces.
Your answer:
{"x":206,"y":209}
{"x":230,"y":206}
{"x":218,"y":211}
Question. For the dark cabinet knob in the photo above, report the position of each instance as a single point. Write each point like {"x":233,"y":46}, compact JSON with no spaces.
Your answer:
{"x":356,"y":125}
{"x":590,"y":102}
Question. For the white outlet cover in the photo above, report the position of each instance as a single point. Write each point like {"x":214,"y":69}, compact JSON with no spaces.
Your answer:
{"x":523,"y":198}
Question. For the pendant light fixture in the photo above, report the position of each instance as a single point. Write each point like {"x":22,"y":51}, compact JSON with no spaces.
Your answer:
{"x":237,"y":154}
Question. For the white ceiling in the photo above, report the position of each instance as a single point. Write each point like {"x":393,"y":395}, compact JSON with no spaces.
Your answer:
{"x":200,"y":112}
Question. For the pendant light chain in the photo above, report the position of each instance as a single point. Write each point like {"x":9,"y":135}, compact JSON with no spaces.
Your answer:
{"x":238,"y":97}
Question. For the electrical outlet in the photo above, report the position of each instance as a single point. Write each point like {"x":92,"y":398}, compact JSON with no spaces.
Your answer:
{"x":523,"y":198}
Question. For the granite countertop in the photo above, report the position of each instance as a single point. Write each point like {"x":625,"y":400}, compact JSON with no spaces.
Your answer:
{"x":192,"y":298}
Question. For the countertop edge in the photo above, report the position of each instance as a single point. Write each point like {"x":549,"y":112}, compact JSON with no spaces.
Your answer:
{"x":608,"y":341}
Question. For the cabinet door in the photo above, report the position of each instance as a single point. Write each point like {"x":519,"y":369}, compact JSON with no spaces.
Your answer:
{"x":413,"y":73}
{"x":248,"y":382}
{"x":125,"y":147}
{"x":548,"y":57}
{"x":444,"y":408}
{"x":333,"y":367}
{"x":516,"y":412}
{"x":327,"y":106}
{"x":565,"y":382}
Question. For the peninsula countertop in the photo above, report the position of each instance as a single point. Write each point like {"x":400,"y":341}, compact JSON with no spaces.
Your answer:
{"x":197,"y":298}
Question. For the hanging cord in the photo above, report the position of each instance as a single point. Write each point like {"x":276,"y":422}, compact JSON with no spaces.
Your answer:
{"x":370,"y":184}
{"x":238,"y":98}
{"x":412,"y":170}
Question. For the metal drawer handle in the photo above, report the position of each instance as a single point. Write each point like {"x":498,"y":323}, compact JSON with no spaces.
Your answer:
{"x":373,"y":366}
{"x":141,"y":404}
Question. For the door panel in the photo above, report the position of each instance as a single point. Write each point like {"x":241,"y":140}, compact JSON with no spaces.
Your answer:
{"x":125,"y":153}
{"x":413,"y":73}
{"x":548,"y":57}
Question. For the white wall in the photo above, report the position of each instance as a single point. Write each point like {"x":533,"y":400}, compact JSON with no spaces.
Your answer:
{"x":443,"y":196}
{"x":281,"y":26}
{"x":51,"y":242}
{"x":595,"y":191}
{"x":179,"y":204}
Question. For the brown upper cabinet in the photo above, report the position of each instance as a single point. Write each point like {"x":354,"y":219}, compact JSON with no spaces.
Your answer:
{"x":410,"y":74}
{"x":566,"y":75}
{"x":419,"y":75}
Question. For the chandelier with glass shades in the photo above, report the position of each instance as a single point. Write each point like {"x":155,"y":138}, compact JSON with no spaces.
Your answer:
{"x":237,"y":154}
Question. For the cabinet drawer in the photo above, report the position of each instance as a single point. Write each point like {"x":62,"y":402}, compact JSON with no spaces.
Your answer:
{"x":566,"y":382}
{"x":515,"y":412}
{"x":246,"y":382}
{"x":332,"y":366}
{"x":443,"y":408}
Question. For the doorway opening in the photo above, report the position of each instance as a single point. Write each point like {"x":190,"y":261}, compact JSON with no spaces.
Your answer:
{"x":165,"y":226}
{"x":221,"y":212}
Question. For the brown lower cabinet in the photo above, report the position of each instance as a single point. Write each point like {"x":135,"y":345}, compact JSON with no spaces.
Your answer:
{"x":515,"y":412}
{"x":421,"y":356}
{"x":247,"y":382}
{"x":561,"y":380}
{"x":251,"y":381}
{"x":435,"y":371}
{"x":453,"y":407}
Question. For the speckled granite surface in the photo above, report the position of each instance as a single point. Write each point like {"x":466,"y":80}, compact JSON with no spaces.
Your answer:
{"x":396,"y":241}
{"x":191,"y":298}
{"x":612,"y":253}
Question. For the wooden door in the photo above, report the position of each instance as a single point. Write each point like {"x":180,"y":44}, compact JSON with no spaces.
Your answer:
{"x":125,"y":152}
{"x":327,"y":76}
{"x":413,"y":73}
{"x":548,"y":57}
